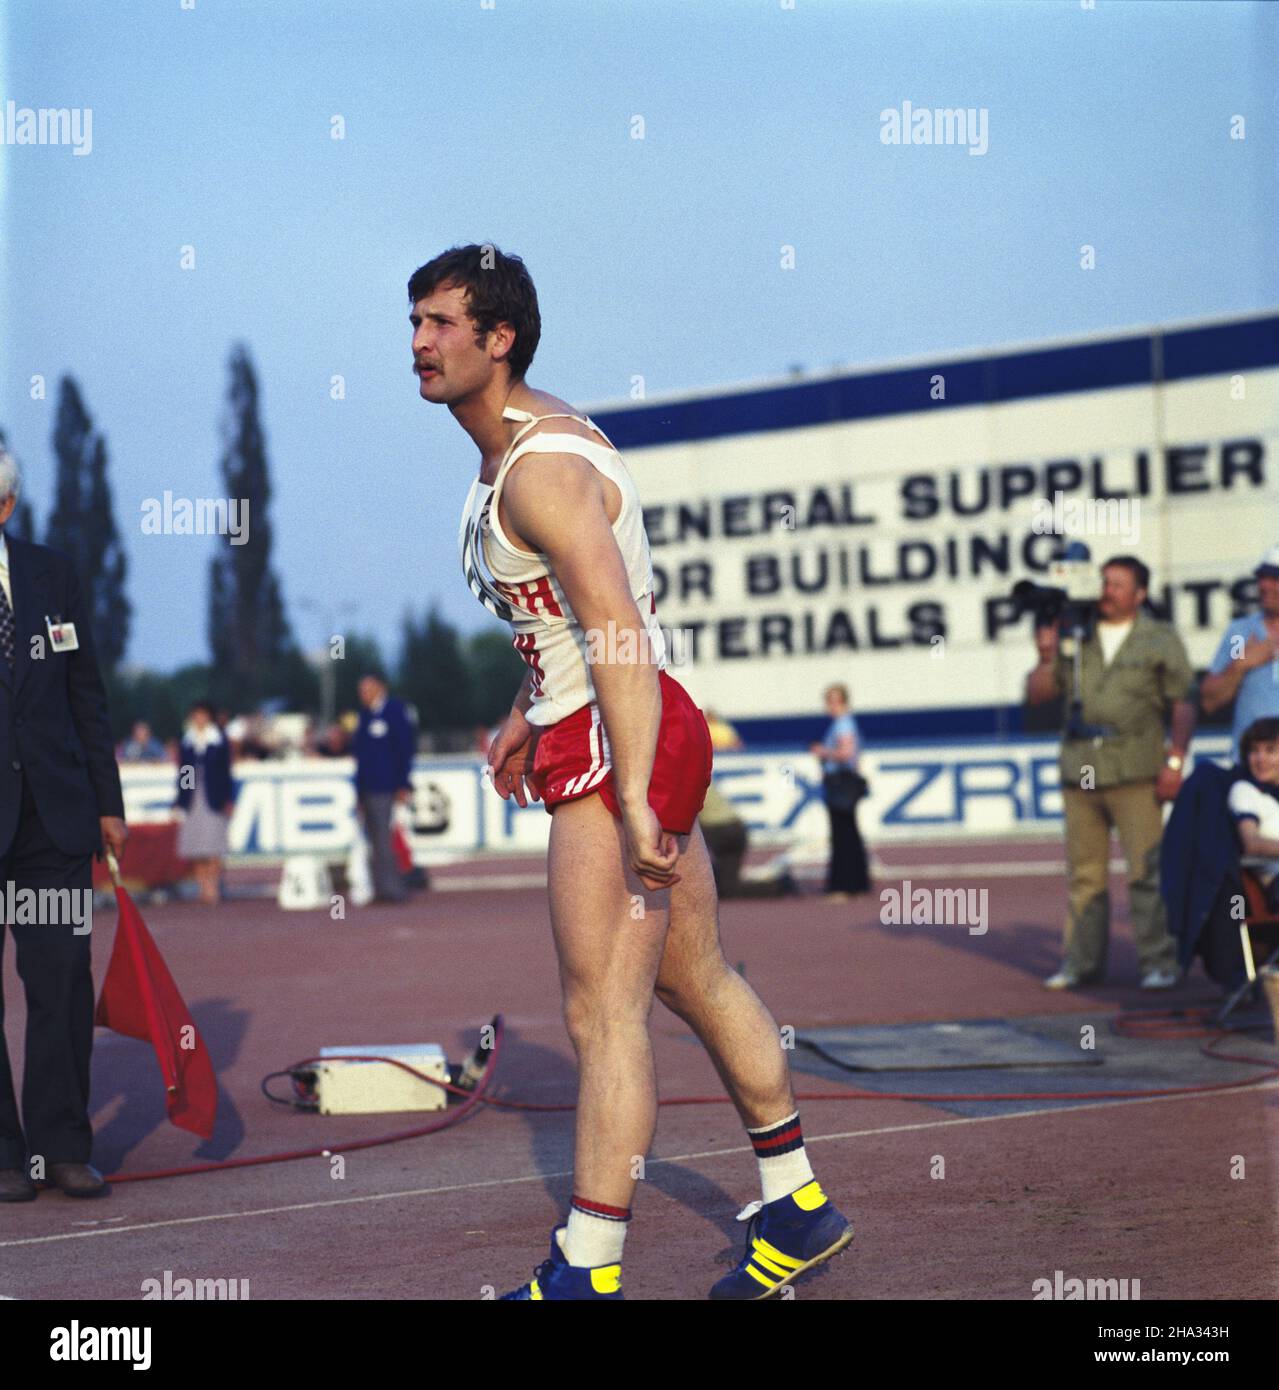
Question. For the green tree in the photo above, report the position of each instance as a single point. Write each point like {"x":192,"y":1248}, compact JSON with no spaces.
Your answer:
{"x":105,"y":566}
{"x":496,"y":673}
{"x":363,"y":657}
{"x":161,"y":699}
{"x":82,"y":524}
{"x":250,"y":641}
{"x":434,"y":675}
{"x":295,"y":681}
{"x":72,"y":442}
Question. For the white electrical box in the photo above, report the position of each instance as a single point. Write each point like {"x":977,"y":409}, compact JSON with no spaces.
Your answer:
{"x":372,"y":1088}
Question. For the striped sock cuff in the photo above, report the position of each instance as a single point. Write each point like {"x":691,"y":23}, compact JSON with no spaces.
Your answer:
{"x":598,"y":1209}
{"x":782,"y":1138}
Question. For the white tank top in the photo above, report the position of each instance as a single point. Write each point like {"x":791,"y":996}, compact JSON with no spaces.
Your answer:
{"x":518,"y":586}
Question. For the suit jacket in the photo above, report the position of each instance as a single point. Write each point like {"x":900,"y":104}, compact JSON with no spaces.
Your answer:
{"x":384,"y":745}
{"x":216,"y":762}
{"x":1199,"y":871}
{"x":54,"y":726}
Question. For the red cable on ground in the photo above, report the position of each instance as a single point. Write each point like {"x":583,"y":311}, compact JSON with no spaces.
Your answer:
{"x":1189,"y":1021}
{"x":473,"y":1100}
{"x":1142,"y":1025}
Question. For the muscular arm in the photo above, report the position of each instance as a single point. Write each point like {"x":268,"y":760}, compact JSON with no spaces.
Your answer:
{"x":558,"y":507}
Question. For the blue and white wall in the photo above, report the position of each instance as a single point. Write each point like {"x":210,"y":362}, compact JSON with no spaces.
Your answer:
{"x":912,"y":489}
{"x":919,"y":791}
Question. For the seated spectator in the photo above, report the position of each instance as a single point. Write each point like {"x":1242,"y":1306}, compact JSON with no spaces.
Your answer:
{"x":142,"y":746}
{"x":246,"y":735}
{"x":333,"y":743}
{"x":1254,"y":803}
{"x":723,"y":735}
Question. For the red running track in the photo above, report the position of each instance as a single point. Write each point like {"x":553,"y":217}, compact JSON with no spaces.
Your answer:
{"x":1113,"y":1190}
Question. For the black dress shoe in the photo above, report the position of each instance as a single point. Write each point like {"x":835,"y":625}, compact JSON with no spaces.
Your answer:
{"x":78,"y":1179}
{"x":15,"y":1186}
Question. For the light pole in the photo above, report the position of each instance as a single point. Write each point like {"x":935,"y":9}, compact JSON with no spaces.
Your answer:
{"x":329,"y":614}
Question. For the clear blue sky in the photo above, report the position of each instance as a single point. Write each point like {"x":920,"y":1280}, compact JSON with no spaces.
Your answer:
{"x":657,"y":257}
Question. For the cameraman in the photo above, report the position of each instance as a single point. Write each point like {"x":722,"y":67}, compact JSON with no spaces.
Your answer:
{"x":1114,"y":771}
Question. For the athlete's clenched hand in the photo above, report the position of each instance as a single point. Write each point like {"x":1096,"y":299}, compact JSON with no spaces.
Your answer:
{"x":510,"y":759}
{"x":653,"y":851}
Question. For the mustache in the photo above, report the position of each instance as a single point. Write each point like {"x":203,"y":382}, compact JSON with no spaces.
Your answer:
{"x":422,"y":366}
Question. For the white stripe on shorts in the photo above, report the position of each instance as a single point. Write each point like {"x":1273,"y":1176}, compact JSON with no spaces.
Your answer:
{"x":580,"y":781}
{"x":595,"y":771}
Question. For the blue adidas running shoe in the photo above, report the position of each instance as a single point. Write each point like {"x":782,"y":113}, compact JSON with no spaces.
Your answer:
{"x":556,"y":1278}
{"x":785,"y":1238}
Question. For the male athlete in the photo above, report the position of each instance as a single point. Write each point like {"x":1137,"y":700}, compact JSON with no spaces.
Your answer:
{"x":552,"y":541}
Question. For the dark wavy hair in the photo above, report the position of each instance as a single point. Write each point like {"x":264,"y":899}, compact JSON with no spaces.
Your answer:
{"x":498,"y":288}
{"x":1259,"y":731}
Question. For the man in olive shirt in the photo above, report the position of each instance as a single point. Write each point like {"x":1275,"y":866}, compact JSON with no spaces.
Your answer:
{"x":1131,"y":668}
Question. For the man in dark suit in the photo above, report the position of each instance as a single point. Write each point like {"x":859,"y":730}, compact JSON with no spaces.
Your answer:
{"x":60,"y":802}
{"x":384,"y":744}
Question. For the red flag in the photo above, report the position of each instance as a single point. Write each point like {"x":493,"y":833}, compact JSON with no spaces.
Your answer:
{"x":400,"y":848}
{"x":140,"y":1000}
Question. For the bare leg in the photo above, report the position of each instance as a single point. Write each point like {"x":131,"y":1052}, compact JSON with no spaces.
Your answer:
{"x":206,"y":872}
{"x":609,"y":933}
{"x":698,"y":985}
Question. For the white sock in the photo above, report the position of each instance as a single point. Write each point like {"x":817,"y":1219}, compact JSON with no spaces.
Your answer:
{"x":591,"y":1239}
{"x":783,"y":1162}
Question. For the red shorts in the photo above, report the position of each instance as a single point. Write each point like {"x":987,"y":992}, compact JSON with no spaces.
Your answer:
{"x":573,"y":759}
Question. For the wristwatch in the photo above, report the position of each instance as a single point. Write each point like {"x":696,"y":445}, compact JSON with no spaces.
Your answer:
{"x":1175,"y":761}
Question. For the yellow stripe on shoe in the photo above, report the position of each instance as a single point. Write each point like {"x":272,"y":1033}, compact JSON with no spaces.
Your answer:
{"x":809,"y":1197}
{"x":771,"y":1252}
{"x":771,"y":1286}
{"x":534,"y":1292}
{"x":606,"y":1279}
{"x":763,"y":1262}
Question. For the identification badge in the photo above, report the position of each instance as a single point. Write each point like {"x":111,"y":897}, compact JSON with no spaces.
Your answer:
{"x":62,"y":637}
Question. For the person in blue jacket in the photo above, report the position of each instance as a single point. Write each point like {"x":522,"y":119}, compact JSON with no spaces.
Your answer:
{"x":384,"y":744}
{"x":206,"y":798}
